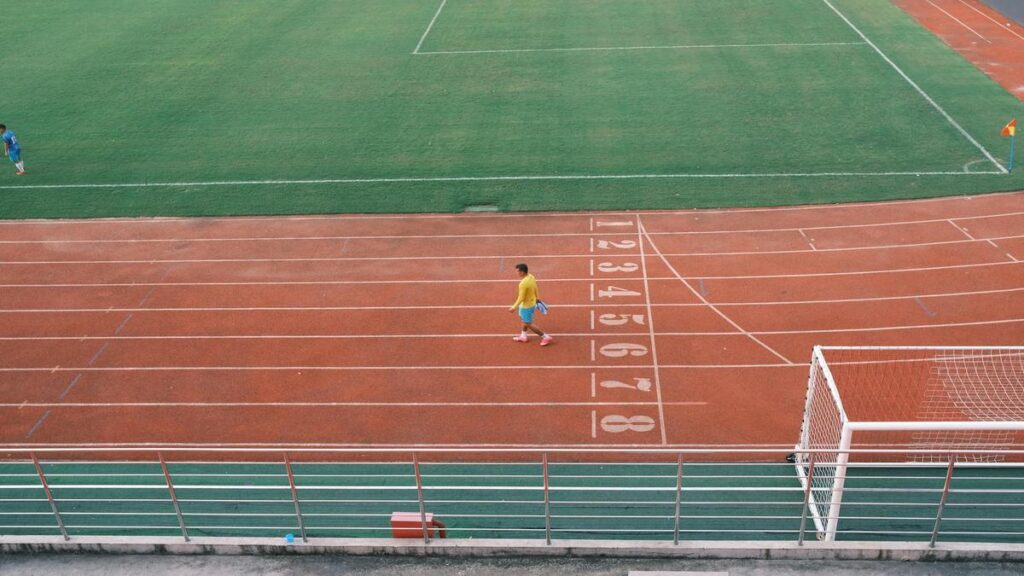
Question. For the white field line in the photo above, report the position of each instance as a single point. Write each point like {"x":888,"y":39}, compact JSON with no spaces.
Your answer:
{"x":331,"y":404}
{"x":525,"y":178}
{"x":513,"y":368}
{"x":479,"y":236}
{"x":502,"y":335}
{"x":630,"y":48}
{"x":710,"y":306}
{"x":1000,"y":24}
{"x":969,"y":240}
{"x":206,"y":309}
{"x":429,"y":27}
{"x":485,"y":281}
{"x":650,"y":330}
{"x":503,"y":215}
{"x":934,"y":104}
{"x":958,"y":21}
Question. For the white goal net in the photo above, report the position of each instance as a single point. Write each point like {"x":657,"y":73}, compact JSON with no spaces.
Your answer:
{"x":908,"y":404}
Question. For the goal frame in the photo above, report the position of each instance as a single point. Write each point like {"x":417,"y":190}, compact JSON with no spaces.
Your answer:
{"x":804,"y":456}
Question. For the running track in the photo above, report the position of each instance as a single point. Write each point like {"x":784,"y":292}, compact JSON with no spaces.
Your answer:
{"x":672,"y":328}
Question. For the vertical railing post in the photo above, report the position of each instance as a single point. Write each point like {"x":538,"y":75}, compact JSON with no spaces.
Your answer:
{"x":174,"y":496}
{"x":807,"y":498}
{"x":419,"y":496}
{"x":49,"y":496}
{"x":295,"y":497}
{"x":942,"y":501}
{"x":547,"y":501}
{"x":679,"y":498}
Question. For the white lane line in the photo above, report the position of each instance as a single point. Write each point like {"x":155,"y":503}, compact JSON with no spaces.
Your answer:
{"x":633,"y":48}
{"x":429,"y":27}
{"x":934,"y":104}
{"x":328,"y":404}
{"x":1005,"y":26}
{"x":547,"y":280}
{"x":650,"y":330}
{"x":871,"y":248}
{"x":958,"y":21}
{"x":442,"y":257}
{"x":544,"y":235}
{"x":499,"y":306}
{"x":711,"y":306}
{"x":160,"y":220}
{"x":524,"y":178}
{"x":593,"y":342}
{"x":516,"y":367}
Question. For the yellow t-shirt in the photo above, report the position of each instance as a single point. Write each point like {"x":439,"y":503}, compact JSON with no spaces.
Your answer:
{"x":527,"y":293}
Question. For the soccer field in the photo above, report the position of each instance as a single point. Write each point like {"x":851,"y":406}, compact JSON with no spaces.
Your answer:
{"x":201,"y":107}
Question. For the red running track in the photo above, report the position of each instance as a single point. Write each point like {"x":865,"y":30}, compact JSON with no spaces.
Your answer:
{"x":672,"y":328}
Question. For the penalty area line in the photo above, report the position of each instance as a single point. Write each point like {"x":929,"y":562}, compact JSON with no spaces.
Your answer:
{"x":525,"y":178}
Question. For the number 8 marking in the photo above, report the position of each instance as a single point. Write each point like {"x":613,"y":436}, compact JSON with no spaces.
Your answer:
{"x":616,"y":423}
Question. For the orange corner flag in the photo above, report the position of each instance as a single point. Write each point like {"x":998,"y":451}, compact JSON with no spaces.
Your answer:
{"x":1010,"y":129}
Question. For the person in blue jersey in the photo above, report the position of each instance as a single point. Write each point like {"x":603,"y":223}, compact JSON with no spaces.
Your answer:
{"x":12,"y":149}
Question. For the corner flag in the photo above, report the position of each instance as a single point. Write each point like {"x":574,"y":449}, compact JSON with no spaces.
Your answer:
{"x":1010,"y":129}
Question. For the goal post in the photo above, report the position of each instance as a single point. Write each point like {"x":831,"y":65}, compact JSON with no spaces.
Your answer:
{"x":889,"y":405}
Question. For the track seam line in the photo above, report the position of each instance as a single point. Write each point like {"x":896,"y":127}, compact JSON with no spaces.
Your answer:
{"x":958,"y":21}
{"x":997,"y":23}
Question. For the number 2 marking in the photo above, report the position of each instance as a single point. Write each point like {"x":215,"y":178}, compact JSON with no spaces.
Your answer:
{"x":621,"y":244}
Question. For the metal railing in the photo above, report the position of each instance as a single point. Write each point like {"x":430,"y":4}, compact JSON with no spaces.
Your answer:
{"x":545,"y":494}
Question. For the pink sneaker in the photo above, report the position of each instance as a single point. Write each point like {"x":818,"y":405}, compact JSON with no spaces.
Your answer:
{"x":521,"y":338}
{"x":546,"y":340}
{"x":22,"y":173}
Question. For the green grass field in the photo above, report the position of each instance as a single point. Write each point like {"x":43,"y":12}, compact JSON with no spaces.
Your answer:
{"x":208,"y":107}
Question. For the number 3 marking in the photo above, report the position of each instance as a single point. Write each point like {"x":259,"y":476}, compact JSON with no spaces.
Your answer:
{"x":626,"y":267}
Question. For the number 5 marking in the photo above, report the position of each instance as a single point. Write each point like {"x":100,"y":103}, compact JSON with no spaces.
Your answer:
{"x":620,"y":319}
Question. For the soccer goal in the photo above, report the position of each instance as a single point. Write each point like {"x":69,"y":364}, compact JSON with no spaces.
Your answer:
{"x":905,"y":405}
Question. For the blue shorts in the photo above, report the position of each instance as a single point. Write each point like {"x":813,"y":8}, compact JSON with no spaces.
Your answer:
{"x":14,"y":154}
{"x":526,"y":314}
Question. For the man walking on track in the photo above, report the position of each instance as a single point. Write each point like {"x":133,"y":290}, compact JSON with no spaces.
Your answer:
{"x":12,"y":149}
{"x":526,"y":303}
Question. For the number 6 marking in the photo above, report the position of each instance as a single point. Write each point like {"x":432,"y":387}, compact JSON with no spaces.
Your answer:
{"x":616,"y":423}
{"x":622,"y":349}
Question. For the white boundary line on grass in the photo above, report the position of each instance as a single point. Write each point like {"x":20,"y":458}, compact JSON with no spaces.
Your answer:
{"x":629,"y":48}
{"x":952,"y":122}
{"x":540,"y":177}
{"x":429,"y":27}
